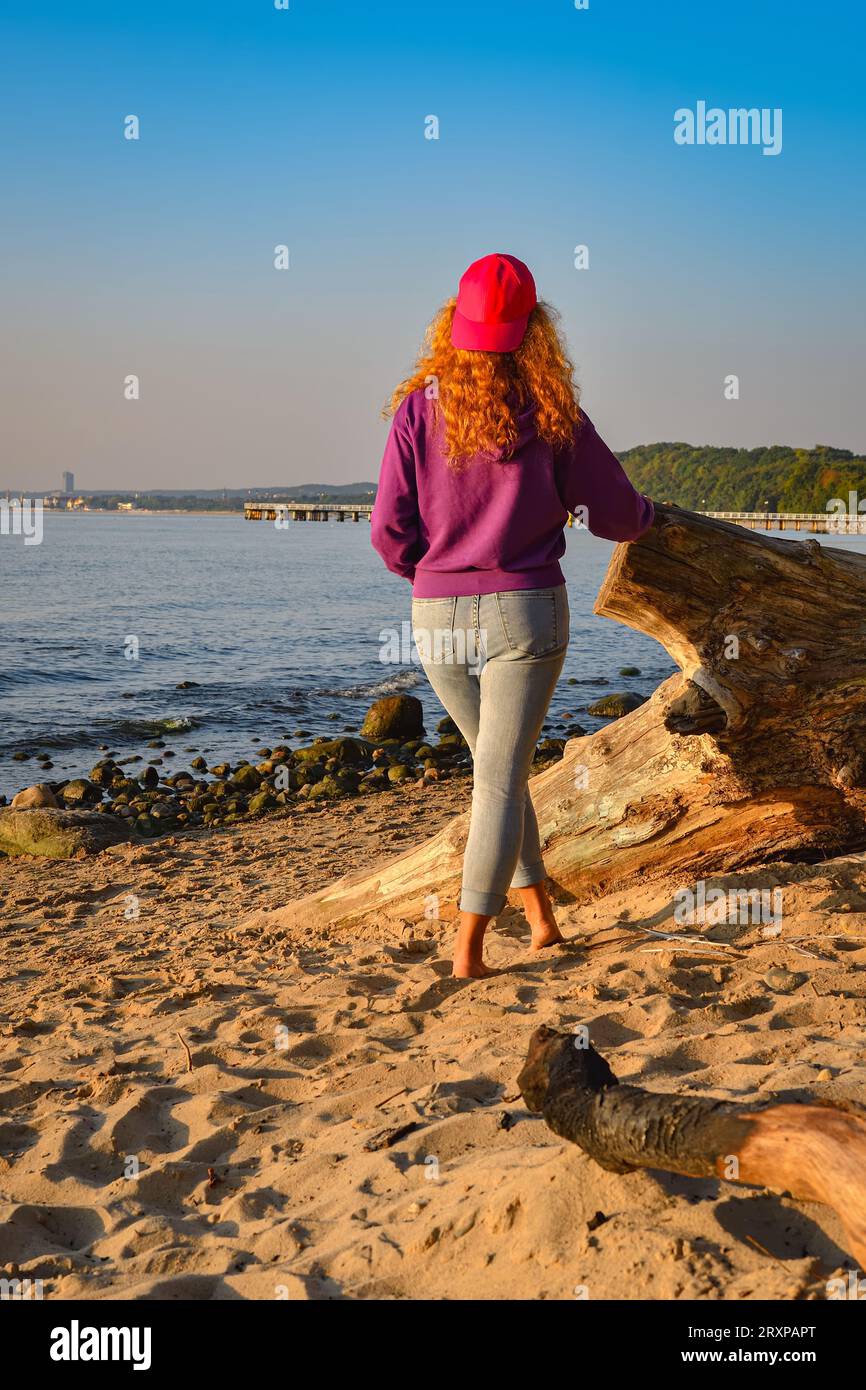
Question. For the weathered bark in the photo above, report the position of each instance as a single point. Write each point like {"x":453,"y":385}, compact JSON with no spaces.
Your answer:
{"x":756,"y":751}
{"x":816,"y":1153}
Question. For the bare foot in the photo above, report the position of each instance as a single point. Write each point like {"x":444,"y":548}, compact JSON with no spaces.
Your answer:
{"x":544,"y":934}
{"x":538,"y":910}
{"x":470,"y":970}
{"x":469,"y":948}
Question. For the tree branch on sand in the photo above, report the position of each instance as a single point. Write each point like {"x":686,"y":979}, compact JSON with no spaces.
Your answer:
{"x":816,"y":1153}
{"x":755,"y":751}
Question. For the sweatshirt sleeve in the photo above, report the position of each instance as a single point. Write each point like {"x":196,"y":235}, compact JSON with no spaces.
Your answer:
{"x":394,"y":525}
{"x":589,"y":476}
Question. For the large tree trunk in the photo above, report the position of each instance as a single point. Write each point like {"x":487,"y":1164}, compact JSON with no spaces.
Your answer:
{"x":815,"y":1152}
{"x":755,"y":752}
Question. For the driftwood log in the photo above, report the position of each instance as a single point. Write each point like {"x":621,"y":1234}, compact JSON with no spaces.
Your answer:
{"x":755,"y":751}
{"x":816,"y":1153}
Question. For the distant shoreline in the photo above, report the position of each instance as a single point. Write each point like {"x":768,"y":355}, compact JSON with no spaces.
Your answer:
{"x":143,"y":511}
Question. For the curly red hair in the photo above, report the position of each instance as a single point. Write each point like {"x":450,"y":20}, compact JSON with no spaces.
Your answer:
{"x":477,"y":392}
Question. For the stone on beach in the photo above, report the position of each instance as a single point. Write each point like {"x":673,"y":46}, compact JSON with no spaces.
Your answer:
{"x":394,"y":716}
{"x":399,"y":772}
{"x":247,"y":777}
{"x":80,"y":792}
{"x":615,"y":706}
{"x":345,"y":750}
{"x":324,"y":790}
{"x":58,"y":834}
{"x":38,"y":795}
{"x":549,"y":748}
{"x":105,"y":772}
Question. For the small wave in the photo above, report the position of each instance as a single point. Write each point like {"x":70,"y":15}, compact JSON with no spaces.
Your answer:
{"x":390,"y":685}
{"x":115,"y":731}
{"x":130,"y":729}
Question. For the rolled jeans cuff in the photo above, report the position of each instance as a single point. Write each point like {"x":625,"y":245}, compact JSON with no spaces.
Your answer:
{"x":484,"y":904}
{"x":532,"y":873}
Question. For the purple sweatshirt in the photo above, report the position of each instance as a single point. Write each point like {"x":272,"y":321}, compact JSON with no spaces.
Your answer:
{"x":498,"y":523}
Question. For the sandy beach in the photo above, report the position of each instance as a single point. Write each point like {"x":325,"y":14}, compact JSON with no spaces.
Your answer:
{"x":433,"y":684}
{"x":202,"y":1099}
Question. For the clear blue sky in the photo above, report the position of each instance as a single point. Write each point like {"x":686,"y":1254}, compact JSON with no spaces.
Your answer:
{"x":306,"y":127}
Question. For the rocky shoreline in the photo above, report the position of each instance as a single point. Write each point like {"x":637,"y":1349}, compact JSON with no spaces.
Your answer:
{"x":115,"y":804}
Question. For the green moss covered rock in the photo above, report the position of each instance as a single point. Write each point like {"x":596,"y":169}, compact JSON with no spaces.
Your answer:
{"x":59,"y":834}
{"x":615,"y":706}
{"x":81,"y":792}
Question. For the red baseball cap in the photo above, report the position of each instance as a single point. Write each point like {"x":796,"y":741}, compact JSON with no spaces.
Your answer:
{"x":496,"y":296}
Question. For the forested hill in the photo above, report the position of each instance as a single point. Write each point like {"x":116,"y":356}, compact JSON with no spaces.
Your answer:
{"x":776,"y":479}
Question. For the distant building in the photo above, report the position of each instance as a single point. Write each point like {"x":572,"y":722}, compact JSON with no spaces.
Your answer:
{"x":68,"y":482}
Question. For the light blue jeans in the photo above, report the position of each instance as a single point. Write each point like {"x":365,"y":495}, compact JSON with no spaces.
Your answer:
{"x":494,"y":661}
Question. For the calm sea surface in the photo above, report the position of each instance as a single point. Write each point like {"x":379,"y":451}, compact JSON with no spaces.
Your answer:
{"x":279,"y":629}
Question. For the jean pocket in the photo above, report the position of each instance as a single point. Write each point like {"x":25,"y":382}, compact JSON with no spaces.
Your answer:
{"x":433,"y":629}
{"x":534,"y":621}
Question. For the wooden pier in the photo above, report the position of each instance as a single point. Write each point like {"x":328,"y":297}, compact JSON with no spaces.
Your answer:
{"x":830,"y":523}
{"x":281,"y":513}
